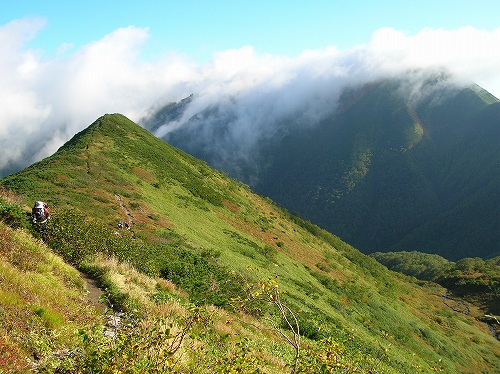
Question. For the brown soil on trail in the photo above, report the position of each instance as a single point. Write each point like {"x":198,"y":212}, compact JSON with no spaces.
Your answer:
{"x":94,"y":292}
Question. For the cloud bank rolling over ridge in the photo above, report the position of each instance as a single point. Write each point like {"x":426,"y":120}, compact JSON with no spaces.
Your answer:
{"x":47,"y":99}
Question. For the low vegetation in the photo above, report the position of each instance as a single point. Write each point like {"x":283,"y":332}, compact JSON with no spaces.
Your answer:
{"x":179,"y":284}
{"x":475,"y":280}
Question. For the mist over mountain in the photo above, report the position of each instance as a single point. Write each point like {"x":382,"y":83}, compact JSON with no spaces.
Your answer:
{"x":403,"y":163}
{"x":47,"y":98}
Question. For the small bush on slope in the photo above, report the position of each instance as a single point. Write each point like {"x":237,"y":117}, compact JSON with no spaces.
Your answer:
{"x":12,"y":214}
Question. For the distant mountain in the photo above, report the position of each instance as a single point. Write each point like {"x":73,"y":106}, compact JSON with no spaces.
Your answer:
{"x":189,"y":278}
{"x":402,"y":164}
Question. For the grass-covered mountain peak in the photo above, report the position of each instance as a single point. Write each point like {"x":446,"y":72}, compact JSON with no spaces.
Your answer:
{"x":202,"y":252}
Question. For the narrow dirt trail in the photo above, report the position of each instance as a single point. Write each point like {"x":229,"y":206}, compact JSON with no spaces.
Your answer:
{"x":95,"y":292}
{"x":113,"y":320}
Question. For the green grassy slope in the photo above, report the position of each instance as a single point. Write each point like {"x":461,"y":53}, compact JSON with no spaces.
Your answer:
{"x":403,"y":164}
{"x":42,"y":302}
{"x":196,"y":228}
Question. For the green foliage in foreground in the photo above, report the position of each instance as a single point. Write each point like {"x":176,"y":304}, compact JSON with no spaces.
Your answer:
{"x":62,"y":333}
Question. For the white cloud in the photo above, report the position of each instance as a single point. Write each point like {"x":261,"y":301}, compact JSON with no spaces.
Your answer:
{"x":47,"y":99}
{"x":470,"y":53}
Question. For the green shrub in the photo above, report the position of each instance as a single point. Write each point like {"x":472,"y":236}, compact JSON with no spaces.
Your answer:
{"x":72,"y":237}
{"x":205,"y":281}
{"x":12,"y":214}
{"x":241,"y":358}
{"x":146,"y":347}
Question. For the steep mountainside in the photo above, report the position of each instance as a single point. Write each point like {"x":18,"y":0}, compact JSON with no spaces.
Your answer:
{"x":401,"y":164}
{"x":196,"y":234}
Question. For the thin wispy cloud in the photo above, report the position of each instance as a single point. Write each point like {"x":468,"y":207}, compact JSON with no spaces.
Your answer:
{"x":47,"y":99}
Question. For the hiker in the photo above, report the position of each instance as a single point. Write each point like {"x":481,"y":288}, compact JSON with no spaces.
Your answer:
{"x":40,"y":212}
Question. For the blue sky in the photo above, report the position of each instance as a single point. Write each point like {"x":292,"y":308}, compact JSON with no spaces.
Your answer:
{"x":285,"y":27}
{"x":65,"y":63}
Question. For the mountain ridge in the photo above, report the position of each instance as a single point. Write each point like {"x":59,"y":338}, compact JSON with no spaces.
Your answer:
{"x":387,"y":161}
{"x":195,"y":231}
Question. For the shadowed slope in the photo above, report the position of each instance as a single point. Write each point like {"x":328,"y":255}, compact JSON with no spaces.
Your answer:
{"x":403,"y":164}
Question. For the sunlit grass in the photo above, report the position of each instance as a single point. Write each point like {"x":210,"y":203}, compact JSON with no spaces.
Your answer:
{"x":184,"y":255}
{"x":40,"y":298}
